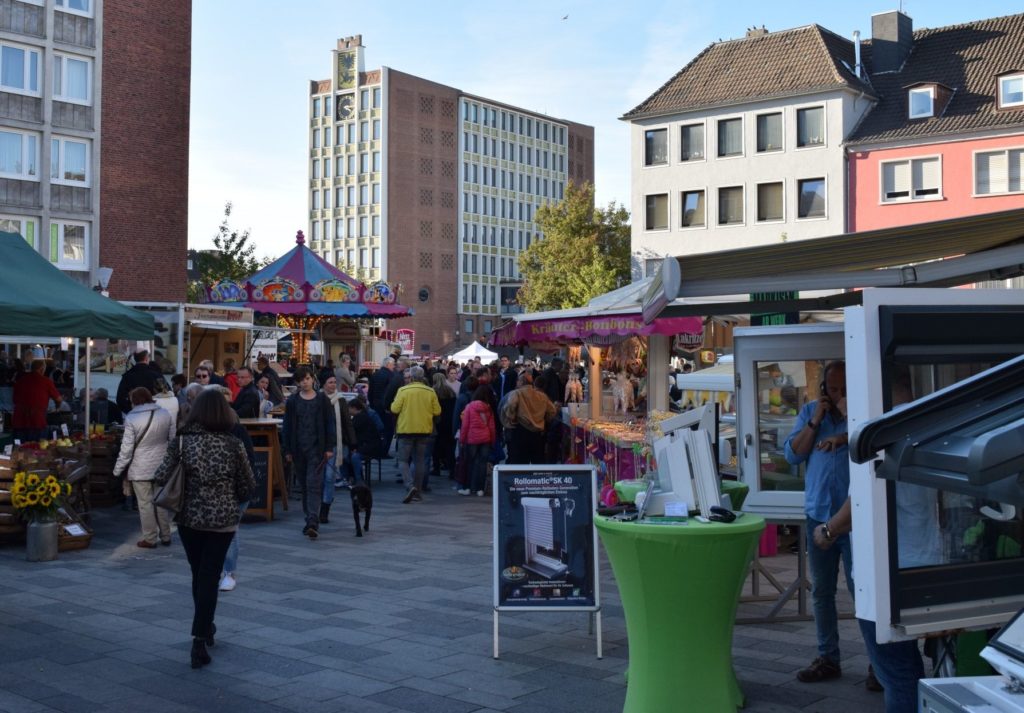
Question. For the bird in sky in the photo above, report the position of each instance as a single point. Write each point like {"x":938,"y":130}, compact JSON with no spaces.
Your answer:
{"x":565,"y":17}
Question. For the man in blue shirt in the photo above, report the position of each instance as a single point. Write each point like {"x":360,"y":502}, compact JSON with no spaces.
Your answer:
{"x":820,"y":440}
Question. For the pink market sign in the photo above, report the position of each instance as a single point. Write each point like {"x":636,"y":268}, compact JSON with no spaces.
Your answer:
{"x":583,"y":328}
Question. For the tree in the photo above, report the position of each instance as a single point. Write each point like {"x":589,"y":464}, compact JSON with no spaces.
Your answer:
{"x":233,"y":258}
{"x":584,"y":252}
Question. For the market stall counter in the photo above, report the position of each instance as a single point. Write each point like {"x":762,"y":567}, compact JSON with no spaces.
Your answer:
{"x":680,"y":586}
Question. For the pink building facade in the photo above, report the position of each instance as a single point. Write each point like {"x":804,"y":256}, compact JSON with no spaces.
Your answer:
{"x":959,"y":171}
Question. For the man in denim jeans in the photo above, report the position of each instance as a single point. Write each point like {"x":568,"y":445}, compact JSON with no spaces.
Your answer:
{"x":820,"y":440}
{"x":415,"y":407}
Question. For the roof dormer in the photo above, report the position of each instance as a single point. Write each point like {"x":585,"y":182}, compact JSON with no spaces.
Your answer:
{"x":927,"y":99}
{"x":1010,"y":90}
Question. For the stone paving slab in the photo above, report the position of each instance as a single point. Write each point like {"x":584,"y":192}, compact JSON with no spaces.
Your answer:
{"x":399,"y":620}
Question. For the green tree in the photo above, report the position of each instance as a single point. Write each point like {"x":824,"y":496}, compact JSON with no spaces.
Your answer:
{"x":584,"y":252}
{"x":233,"y":257}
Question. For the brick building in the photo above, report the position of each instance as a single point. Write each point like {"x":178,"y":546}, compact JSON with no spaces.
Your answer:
{"x":94,"y":131}
{"x":426,"y":186}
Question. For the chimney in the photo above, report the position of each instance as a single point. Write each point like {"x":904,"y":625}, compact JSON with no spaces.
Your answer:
{"x":892,"y":39}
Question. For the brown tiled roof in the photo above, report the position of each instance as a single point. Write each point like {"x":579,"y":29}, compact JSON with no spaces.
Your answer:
{"x":966,"y":58}
{"x":777,"y":64}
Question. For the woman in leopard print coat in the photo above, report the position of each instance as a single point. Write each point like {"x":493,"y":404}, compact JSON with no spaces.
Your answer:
{"x":217,"y":479}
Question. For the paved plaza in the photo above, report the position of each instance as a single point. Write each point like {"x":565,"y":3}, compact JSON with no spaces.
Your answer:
{"x":399,"y":620}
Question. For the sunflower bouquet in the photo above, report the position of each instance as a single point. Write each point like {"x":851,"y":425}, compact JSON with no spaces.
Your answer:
{"x":36,"y":496}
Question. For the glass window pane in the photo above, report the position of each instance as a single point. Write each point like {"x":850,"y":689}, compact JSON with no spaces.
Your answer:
{"x":783,"y":389}
{"x":810,"y":127}
{"x":812,"y":198}
{"x":730,"y":205}
{"x":692,"y":143}
{"x":74,"y":161}
{"x":12,"y":67}
{"x":77,"y":79}
{"x":730,"y":137}
{"x":10,"y":152}
{"x":74,"y":243}
{"x":769,"y":132}
{"x":33,"y":74}
{"x":656,"y":147}
{"x":54,"y":158}
{"x":657,"y":212}
{"x":693,"y":209}
{"x":921,"y":103}
{"x":769,"y":201}
{"x":1012,"y":90}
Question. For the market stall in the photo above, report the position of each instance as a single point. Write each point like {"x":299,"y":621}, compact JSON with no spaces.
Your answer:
{"x":39,"y":299}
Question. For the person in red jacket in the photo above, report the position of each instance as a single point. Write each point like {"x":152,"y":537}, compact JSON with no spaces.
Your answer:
{"x":477,"y":435}
{"x":32,"y":394}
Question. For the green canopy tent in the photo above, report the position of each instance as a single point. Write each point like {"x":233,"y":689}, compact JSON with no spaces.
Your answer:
{"x":38,"y":299}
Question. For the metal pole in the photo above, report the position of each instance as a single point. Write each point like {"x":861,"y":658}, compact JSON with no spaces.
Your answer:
{"x":495,"y":633}
{"x":88,"y":362}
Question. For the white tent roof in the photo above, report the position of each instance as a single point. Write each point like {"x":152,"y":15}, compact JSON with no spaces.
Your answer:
{"x":473,"y":351}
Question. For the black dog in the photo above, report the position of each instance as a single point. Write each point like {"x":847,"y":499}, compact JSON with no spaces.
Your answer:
{"x":362,"y":501}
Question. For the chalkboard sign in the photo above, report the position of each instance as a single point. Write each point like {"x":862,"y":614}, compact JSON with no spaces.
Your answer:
{"x":545,"y":544}
{"x":261,"y":472}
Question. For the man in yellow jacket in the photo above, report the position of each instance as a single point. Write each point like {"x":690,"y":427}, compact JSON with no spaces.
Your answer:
{"x":416,"y":406}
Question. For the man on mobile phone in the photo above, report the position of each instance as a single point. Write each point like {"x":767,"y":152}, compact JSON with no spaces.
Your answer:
{"x":820,"y":440}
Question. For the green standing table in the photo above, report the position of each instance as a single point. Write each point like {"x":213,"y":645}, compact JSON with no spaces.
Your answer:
{"x":680,"y":585}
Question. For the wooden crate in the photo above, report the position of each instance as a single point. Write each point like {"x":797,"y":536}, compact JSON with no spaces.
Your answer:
{"x":11,"y":526}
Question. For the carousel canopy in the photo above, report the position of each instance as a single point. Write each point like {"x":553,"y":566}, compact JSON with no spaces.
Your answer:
{"x":302,"y":283}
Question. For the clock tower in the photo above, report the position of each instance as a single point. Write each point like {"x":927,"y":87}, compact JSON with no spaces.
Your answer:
{"x":348,"y":65}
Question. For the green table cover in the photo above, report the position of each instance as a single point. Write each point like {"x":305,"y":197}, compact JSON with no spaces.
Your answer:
{"x":736,"y":491}
{"x":680,"y":585}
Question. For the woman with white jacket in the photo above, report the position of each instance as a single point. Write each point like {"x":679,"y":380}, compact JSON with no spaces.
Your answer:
{"x":147,"y":431}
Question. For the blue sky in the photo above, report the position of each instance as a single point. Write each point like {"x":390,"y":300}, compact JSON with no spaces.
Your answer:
{"x":251,"y":66}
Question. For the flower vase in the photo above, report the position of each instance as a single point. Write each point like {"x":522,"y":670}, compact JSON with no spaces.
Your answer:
{"x":41,"y":541}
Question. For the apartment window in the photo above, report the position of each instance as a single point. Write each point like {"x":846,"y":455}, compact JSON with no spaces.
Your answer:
{"x":69,"y":245}
{"x":769,"y":202}
{"x":19,"y":69}
{"x":339,"y":257}
{"x":730,"y":205}
{"x":351,"y":198}
{"x":363,"y":254}
{"x":316,"y":107}
{"x":327,"y":203}
{"x":998,"y":172}
{"x":376,"y":193}
{"x":316,"y":138}
{"x":656,"y":147}
{"x":352,"y":133}
{"x":19,"y":155}
{"x":352,"y":165}
{"x":327,"y":229}
{"x":691,"y":143}
{"x":316,"y":168}
{"x":340,"y":135}
{"x":693,"y":210}
{"x":72,"y":79}
{"x":811,"y":201}
{"x":364,"y":193}
{"x":364,"y":99}
{"x":69,"y":161}
{"x":810,"y":126}
{"x":375,"y":256}
{"x":327,"y":106}
{"x":75,"y":7}
{"x":376,"y":161}
{"x":920,"y":102}
{"x":1011,"y":90}
{"x":364,"y":130}
{"x":327,"y":164}
{"x":769,"y":132}
{"x":375,"y":225}
{"x":376,"y":128}
{"x":363,"y":226}
{"x":350,"y":259}
{"x":376,"y":98}
{"x":730,"y":137}
{"x":657,"y":212}
{"x":473,"y":293}
{"x":25,"y":227}
{"x":363,"y":163}
{"x":914,"y":179}
{"x":339,"y":227}
{"x":316,"y":201}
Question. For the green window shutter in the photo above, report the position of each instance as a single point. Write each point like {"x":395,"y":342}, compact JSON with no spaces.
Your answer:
{"x":30,"y":232}
{"x":53,"y":242}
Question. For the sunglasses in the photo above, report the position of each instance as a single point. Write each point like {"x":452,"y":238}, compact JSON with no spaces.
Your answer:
{"x":202,"y":376}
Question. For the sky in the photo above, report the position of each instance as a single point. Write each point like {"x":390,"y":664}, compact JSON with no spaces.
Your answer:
{"x":588,"y":61}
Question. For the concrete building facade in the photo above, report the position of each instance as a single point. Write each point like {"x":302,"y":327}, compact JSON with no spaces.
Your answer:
{"x":94,"y":98}
{"x":428,"y":187}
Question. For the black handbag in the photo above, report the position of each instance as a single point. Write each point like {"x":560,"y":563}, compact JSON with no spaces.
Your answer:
{"x":172,"y":494}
